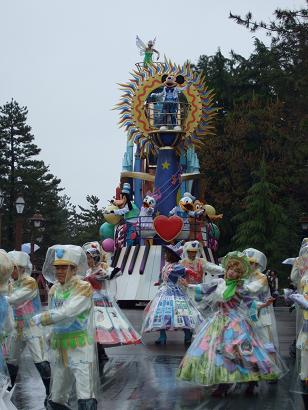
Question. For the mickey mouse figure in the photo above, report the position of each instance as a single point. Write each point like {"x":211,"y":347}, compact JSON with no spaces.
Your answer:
{"x":170,"y":99}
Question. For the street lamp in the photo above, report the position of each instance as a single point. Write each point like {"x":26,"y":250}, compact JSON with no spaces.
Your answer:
{"x":20,"y":205}
{"x":1,"y":206}
{"x":304,"y":225}
{"x":37,"y":222}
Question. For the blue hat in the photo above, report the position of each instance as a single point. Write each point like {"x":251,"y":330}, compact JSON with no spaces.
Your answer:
{"x":172,"y":249}
{"x":126,"y":188}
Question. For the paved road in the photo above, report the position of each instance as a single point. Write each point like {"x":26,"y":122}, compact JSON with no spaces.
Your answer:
{"x":143,"y":378}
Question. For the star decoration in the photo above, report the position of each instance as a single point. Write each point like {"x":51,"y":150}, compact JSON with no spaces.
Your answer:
{"x":157,"y":213}
{"x":166,"y":165}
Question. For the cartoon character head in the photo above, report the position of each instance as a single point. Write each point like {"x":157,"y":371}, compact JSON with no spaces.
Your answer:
{"x":199,"y":206}
{"x":187,"y":203}
{"x":208,"y":210}
{"x":149,"y":202}
{"x":124,"y":197}
{"x":172,"y":81}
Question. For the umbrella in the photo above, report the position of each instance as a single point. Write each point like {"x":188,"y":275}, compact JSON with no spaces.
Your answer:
{"x":26,"y":247}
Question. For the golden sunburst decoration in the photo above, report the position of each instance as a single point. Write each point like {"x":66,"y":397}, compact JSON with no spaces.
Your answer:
{"x":198,"y":123}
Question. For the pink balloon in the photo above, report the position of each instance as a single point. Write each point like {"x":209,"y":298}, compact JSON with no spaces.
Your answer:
{"x":108,"y":245}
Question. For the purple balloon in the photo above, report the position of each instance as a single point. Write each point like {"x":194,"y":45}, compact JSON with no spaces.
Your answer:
{"x":108,"y":245}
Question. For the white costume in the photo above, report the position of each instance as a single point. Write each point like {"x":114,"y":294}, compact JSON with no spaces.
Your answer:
{"x":257,"y":285}
{"x":112,"y":326}
{"x":70,"y":313}
{"x":25,"y":300}
{"x":6,"y":328}
{"x":299,"y":276}
{"x":204,"y":270}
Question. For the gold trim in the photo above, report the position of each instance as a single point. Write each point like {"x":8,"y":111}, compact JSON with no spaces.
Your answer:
{"x":138,"y":175}
{"x":187,"y":177}
{"x":63,"y":262}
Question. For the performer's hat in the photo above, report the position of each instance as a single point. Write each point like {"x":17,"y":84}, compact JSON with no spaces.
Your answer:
{"x":192,"y":246}
{"x":21,"y":259}
{"x":126,"y":188}
{"x":173,"y":250}
{"x":67,"y":255}
{"x":257,"y":257}
{"x":6,"y":269}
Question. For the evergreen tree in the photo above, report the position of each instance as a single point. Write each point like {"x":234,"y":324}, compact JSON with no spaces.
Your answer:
{"x":261,"y":116}
{"x":22,"y":173}
{"x":90,"y":220}
{"x":263,"y":223}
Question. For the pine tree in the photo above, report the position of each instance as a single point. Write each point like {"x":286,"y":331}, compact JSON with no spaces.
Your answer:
{"x":22,"y":173}
{"x":263,"y":223}
{"x":90,"y":220}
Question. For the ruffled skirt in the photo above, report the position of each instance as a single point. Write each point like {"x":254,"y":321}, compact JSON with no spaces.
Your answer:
{"x":112,"y":326}
{"x":171,"y":309}
{"x":228,"y":349}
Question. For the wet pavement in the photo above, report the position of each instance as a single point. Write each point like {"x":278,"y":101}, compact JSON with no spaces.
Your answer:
{"x":143,"y":378}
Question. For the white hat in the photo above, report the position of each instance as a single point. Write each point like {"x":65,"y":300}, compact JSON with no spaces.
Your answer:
{"x":6,"y":269}
{"x":192,"y":246}
{"x":257,"y":257}
{"x":64,"y":255}
{"x":22,"y":260}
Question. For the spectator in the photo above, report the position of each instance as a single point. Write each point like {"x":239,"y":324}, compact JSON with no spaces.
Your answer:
{"x":273,"y":284}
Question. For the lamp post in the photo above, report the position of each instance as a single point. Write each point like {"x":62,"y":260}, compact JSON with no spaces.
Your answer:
{"x":37,"y":222}
{"x":20,"y":205}
{"x":304,"y":225}
{"x":1,"y":207}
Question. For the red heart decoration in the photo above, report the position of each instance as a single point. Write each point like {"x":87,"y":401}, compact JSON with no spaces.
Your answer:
{"x":168,"y":228}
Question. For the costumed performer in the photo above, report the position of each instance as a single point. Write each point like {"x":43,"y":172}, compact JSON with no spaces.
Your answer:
{"x":193,"y":258}
{"x":146,"y":218}
{"x":71,"y":317}
{"x":147,"y":51}
{"x":301,"y":300}
{"x":7,"y":328}
{"x":126,"y":233}
{"x":112,"y":326}
{"x":169,"y":98}
{"x":25,"y":300}
{"x":185,"y":211}
{"x":257,"y":285}
{"x":171,"y":308}
{"x":228,"y":348}
{"x":300,"y":272}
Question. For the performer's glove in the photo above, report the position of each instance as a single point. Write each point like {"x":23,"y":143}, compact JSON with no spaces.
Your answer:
{"x":36,"y":320}
{"x":300,"y":300}
{"x":286,"y":294}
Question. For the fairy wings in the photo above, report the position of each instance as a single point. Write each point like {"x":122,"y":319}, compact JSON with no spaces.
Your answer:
{"x":142,"y":47}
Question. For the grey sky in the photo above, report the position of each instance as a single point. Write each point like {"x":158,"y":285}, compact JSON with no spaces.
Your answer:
{"x":63,"y":58}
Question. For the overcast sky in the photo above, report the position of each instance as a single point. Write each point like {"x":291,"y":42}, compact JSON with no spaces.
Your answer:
{"x":64,"y":58}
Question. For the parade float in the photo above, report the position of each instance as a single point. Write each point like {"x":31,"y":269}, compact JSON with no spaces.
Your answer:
{"x":167,"y":112}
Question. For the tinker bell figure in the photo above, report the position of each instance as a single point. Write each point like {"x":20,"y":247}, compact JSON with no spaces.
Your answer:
{"x":147,"y":51}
